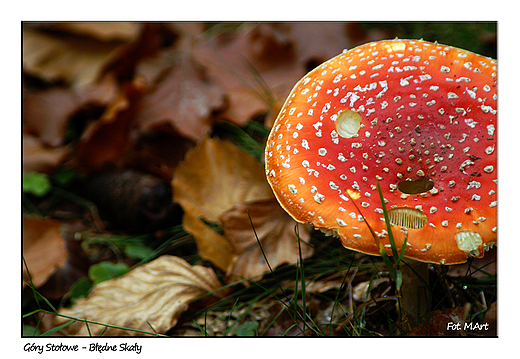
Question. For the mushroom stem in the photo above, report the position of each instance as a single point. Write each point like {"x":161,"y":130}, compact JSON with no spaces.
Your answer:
{"x":415,"y":294}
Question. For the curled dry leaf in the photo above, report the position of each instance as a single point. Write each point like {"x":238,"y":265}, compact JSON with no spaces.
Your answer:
{"x":107,"y":138}
{"x":361,"y":290}
{"x":46,"y":113}
{"x":218,"y":184}
{"x":154,"y":294}
{"x":276,"y":232}
{"x":44,"y":248}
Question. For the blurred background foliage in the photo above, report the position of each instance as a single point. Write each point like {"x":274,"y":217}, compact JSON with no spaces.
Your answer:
{"x":479,"y":37}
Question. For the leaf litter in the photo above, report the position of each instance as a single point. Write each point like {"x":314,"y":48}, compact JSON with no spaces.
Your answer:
{"x":150,"y":298}
{"x":104,"y":98}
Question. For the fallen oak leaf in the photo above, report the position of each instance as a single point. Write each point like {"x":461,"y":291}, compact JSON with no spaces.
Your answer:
{"x":255,"y":81}
{"x":154,"y":294}
{"x":186,"y":97}
{"x":46,"y":114}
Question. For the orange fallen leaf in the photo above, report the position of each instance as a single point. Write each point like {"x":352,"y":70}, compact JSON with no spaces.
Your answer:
{"x":210,"y":245}
{"x":43,"y":249}
{"x":153,"y":295}
{"x":214,"y":177}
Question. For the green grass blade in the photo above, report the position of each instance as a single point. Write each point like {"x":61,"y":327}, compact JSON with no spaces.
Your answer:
{"x":403,"y":249}
{"x":387,"y":221}
{"x":54,"y":330}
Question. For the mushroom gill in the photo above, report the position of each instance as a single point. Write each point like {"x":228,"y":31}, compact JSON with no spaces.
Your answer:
{"x":407,"y":217}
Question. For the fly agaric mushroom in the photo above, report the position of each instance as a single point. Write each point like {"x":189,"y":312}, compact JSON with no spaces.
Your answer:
{"x":419,"y":118}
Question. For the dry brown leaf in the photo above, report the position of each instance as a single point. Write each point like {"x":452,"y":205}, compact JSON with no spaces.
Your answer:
{"x":215,"y":176}
{"x":103,"y":31}
{"x":249,"y":69}
{"x":264,"y":60}
{"x":43,"y":248}
{"x":107,"y":138}
{"x":486,"y":265}
{"x":438,"y":321}
{"x":361,"y":290}
{"x":46,"y":113}
{"x":210,"y":245}
{"x":276,"y":232}
{"x":185,"y":97}
{"x":316,"y":42}
{"x":154,"y":294}
{"x":219,"y":183}
{"x":244,"y":105}
{"x":38,"y":157}
{"x":76,"y":60}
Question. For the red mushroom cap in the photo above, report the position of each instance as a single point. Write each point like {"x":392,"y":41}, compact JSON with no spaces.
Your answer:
{"x":418,"y":117}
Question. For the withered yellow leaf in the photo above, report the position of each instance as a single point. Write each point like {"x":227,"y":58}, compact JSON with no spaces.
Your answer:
{"x":215,"y":176}
{"x":154,"y":294}
{"x":210,"y":245}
